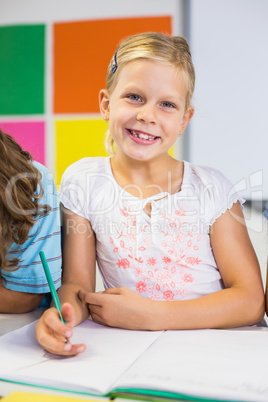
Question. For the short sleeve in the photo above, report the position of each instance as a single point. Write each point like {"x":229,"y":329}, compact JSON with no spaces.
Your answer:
{"x":45,"y":235}
{"x":74,"y":192}
{"x":216,"y":192}
{"x":83,"y":185}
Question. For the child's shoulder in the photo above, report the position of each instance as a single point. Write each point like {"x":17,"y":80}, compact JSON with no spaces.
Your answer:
{"x":89,"y":172}
{"x":40,"y":167}
{"x":85,"y":180}
{"x":206,"y":175}
{"x":47,"y":182}
{"x":212,"y":182}
{"x":87,"y":165}
{"x":215,"y":190}
{"x":47,"y":176}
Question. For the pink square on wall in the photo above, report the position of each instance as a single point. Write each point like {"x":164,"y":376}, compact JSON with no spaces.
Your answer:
{"x":29,"y":134}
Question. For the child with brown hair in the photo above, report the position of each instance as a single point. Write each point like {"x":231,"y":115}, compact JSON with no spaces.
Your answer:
{"x":29,"y":223}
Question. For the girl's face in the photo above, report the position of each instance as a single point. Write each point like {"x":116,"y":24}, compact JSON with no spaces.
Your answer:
{"x":146,"y":110}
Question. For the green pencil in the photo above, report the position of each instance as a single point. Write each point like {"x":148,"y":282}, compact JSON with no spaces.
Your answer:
{"x":51,"y":285}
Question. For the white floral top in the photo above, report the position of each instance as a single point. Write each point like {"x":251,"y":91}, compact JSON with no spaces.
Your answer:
{"x":167,"y":256}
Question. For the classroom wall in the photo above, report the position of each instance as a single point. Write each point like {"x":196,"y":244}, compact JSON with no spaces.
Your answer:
{"x":229,"y":131}
{"x":53,"y":56}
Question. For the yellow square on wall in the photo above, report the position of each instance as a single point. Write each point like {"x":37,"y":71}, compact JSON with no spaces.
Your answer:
{"x":76,"y":139}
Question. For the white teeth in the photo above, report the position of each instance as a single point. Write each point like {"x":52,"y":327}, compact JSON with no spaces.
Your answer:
{"x":143,"y":136}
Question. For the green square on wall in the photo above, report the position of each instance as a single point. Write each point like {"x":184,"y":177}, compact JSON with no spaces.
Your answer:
{"x":22,"y":58}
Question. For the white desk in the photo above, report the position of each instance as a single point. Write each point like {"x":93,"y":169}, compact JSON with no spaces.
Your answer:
{"x":9,"y":322}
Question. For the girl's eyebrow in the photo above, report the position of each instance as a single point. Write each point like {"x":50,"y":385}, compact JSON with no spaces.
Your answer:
{"x":134,"y":87}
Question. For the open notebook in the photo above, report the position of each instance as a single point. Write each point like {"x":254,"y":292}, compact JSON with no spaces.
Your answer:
{"x":200,"y":365}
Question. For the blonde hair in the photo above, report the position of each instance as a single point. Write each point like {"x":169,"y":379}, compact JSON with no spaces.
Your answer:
{"x":151,"y":46}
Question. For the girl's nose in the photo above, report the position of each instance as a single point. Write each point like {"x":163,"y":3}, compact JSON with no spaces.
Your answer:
{"x":146,"y":114}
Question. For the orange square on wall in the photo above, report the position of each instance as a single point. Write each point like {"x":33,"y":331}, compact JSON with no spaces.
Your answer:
{"x":82,"y":52}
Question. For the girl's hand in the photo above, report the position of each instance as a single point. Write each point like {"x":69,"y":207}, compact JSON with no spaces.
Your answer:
{"x":120,"y":307}
{"x":54,"y":336}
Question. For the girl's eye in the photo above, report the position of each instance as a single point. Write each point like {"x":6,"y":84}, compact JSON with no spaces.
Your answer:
{"x":134,"y":97}
{"x":168,"y":104}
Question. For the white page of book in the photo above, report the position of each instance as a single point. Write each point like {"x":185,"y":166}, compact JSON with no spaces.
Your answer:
{"x":220,"y":364}
{"x":110,"y":351}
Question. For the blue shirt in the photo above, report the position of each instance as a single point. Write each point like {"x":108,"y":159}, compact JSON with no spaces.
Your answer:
{"x":45,"y":235}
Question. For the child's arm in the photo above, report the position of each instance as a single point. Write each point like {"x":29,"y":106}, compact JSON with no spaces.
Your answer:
{"x":17,"y":302}
{"x":240,"y":304}
{"x":79,"y":271}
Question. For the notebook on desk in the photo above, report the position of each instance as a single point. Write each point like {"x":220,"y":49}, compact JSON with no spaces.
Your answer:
{"x":197,"y":365}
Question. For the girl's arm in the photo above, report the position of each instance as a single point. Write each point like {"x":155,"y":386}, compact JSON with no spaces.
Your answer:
{"x":79,"y":272}
{"x":241,"y":303}
{"x":18,"y":302}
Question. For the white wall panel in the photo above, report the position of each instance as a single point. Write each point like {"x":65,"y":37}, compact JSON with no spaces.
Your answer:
{"x":229,"y":42}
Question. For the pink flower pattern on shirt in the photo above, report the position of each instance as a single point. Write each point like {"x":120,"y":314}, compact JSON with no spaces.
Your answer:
{"x":162,"y":278}
{"x":141,"y":286}
{"x":124,"y":263}
{"x":168,"y":295}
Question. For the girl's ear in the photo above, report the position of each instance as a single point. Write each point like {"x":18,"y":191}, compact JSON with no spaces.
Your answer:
{"x":186,"y":118}
{"x":104,"y":103}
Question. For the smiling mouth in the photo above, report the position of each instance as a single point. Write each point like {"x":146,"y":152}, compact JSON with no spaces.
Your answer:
{"x":142,"y":136}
